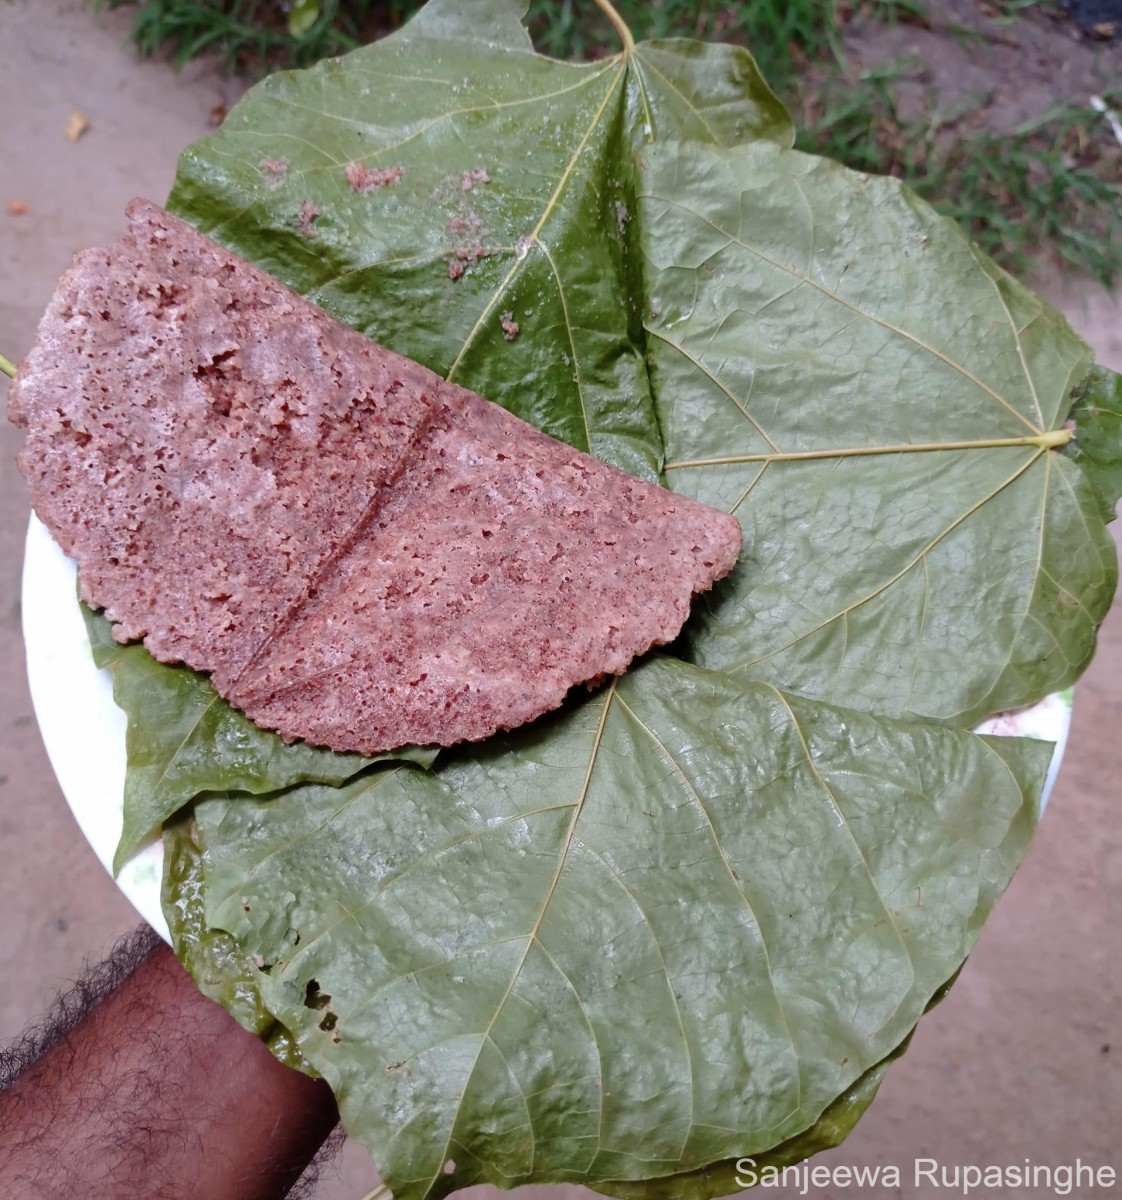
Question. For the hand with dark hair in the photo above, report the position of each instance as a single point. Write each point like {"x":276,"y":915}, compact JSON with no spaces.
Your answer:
{"x":136,"y":1085}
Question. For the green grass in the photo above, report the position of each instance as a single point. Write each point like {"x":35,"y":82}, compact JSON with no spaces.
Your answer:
{"x":253,"y":35}
{"x":1048,"y":189}
{"x":1049,"y":186}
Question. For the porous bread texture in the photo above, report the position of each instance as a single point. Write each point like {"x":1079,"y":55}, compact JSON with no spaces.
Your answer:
{"x":361,"y":554}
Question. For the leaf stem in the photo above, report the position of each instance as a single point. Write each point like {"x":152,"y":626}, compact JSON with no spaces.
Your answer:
{"x":618,"y":24}
{"x":381,"y":1192}
{"x":1043,"y":441}
{"x":8,"y":367}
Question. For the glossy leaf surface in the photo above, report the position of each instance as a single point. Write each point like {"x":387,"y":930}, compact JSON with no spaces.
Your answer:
{"x":836,"y":363}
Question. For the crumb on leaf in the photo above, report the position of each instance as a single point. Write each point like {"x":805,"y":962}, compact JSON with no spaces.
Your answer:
{"x":468,"y":179}
{"x":366,"y":179}
{"x":276,"y":171}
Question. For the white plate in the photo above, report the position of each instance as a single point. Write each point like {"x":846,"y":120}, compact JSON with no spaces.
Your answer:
{"x":84,"y":731}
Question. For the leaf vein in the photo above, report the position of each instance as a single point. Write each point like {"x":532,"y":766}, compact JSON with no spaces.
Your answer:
{"x":532,"y":936}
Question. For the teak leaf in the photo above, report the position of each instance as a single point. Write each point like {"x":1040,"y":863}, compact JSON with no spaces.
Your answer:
{"x":517,"y":178}
{"x":666,"y":928}
{"x":687,"y":288}
{"x":216,"y":964}
{"x":226,"y":975}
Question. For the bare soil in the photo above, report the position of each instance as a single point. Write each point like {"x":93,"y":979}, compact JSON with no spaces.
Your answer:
{"x":1008,"y":70}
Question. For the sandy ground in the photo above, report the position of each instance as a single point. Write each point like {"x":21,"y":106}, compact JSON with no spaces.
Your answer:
{"x":1024,"y":1060}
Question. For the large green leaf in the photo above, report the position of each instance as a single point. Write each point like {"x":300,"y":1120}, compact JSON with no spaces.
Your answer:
{"x":666,"y":928}
{"x":226,"y":975}
{"x":183,"y":739}
{"x":838,"y":365}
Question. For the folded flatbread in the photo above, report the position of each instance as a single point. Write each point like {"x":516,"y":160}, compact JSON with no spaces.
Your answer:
{"x":360,"y":553}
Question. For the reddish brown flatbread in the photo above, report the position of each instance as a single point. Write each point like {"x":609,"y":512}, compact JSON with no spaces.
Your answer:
{"x":361,"y":554}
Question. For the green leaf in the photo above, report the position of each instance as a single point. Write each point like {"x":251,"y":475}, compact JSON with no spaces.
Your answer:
{"x":226,"y":976}
{"x":666,"y":928}
{"x":496,"y":26}
{"x":877,"y":402}
{"x":183,"y":739}
{"x":216,"y":964}
{"x":302,"y":16}
{"x":718,"y":297}
{"x":1097,"y":445}
{"x":686,"y":90}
